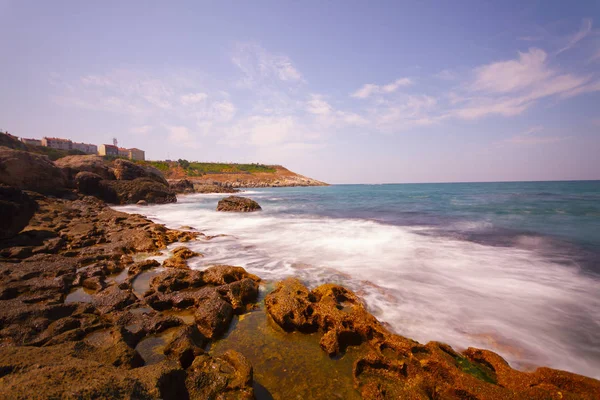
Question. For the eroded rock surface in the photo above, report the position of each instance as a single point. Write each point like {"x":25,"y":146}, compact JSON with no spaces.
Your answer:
{"x":16,"y":209}
{"x":396,"y":367}
{"x":30,"y":171}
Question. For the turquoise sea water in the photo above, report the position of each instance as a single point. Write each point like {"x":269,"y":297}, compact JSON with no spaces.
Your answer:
{"x":513,"y":267}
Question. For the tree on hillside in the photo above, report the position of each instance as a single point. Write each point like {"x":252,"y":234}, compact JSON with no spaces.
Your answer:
{"x":185,"y":164}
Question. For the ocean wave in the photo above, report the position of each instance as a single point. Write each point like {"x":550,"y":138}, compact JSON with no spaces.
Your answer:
{"x":425,"y":287}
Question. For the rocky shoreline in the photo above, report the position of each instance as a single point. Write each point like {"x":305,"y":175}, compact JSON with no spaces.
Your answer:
{"x":87,"y":312}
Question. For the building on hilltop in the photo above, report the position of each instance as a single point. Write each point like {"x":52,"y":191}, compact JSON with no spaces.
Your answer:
{"x":136,"y":154}
{"x":108,"y":150}
{"x":123,"y":152}
{"x":57,"y":143}
{"x":31,"y":142}
{"x":86,"y":147}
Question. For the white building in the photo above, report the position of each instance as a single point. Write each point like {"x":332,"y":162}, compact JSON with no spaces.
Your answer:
{"x":86,"y":147}
{"x":57,"y":143}
{"x":32,"y":142}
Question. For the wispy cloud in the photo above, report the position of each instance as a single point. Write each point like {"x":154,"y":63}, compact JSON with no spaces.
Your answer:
{"x":258,"y":65}
{"x":584,"y":31}
{"x":193,"y":98}
{"x":141,"y":130}
{"x":369,"y":89}
{"x":533,"y":136}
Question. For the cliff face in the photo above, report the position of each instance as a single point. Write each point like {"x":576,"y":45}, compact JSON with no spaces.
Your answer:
{"x":234,"y":175}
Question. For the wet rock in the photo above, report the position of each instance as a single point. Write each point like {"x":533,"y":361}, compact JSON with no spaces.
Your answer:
{"x":59,"y":372}
{"x":113,"y":298}
{"x":213,"y":315}
{"x":29,"y":171}
{"x":72,"y":165}
{"x":224,"y":274}
{"x":179,"y":257}
{"x":139,"y":267}
{"x":16,"y":209}
{"x":142,"y":203}
{"x":227,"y":377}
{"x":128,"y":171}
{"x":238,"y":204}
{"x":187,"y":344}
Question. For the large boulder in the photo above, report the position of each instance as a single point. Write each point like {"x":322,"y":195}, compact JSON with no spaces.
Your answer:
{"x":72,"y":165}
{"x":238,"y":204}
{"x":131,"y":192}
{"x":126,"y":171}
{"x":29,"y":171}
{"x":182,"y":186}
{"x":16,"y":209}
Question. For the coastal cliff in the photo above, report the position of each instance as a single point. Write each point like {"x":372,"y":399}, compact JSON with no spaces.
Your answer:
{"x":97,"y":303}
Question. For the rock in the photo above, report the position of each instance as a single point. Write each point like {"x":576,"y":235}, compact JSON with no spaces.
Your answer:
{"x":128,"y":171}
{"x":229,"y":376}
{"x":89,"y":183}
{"x":142,"y":266}
{"x":16,"y":209}
{"x":132,"y":191}
{"x":182,"y":186}
{"x":186,"y":346}
{"x":29,"y":171}
{"x":72,"y":165}
{"x":113,"y":299}
{"x":179,"y":257}
{"x":224,"y":274}
{"x":238,"y":204}
{"x":142,"y":203}
{"x":199,"y":188}
{"x":213,"y":315}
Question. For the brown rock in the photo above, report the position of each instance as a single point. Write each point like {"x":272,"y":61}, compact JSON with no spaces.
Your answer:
{"x":132,"y":191}
{"x":128,"y":171}
{"x":213,"y":315}
{"x":95,"y":164}
{"x":226,"y":377}
{"x":29,"y":171}
{"x":238,"y":204}
{"x":16,"y":209}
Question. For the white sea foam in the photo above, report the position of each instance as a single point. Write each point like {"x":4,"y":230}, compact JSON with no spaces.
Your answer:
{"x":514,"y":301}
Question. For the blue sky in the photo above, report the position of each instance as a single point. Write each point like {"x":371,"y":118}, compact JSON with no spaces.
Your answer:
{"x":342,"y":91}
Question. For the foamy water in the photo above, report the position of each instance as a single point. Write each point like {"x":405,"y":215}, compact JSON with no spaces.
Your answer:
{"x":513,"y":300}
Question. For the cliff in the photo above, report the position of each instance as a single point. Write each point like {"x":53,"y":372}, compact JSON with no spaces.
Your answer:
{"x":232,"y":174}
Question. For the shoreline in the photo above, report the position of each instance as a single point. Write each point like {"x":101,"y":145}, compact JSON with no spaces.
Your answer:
{"x":385,"y":362}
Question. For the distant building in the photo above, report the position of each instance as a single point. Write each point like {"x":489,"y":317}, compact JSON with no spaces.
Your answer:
{"x":108,"y":150}
{"x":136,"y":154}
{"x":86,"y":147}
{"x":123,"y":152}
{"x":57,"y":143}
{"x":32,"y":142}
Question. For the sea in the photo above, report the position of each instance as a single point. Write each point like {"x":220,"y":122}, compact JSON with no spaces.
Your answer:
{"x":513,"y":267}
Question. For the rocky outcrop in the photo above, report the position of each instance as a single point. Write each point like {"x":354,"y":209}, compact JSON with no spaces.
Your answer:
{"x":179,"y":257}
{"x":186,"y":186}
{"x":238,"y":204}
{"x":395,"y":367}
{"x":29,"y":171}
{"x":16,"y":209}
{"x":133,"y":191}
{"x":127,"y":171}
{"x":72,"y":165}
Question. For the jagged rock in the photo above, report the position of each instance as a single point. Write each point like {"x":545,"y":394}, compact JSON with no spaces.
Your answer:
{"x":186,"y":346}
{"x":229,"y":376}
{"x":199,"y":188}
{"x":16,"y":209}
{"x":72,"y":165}
{"x":142,"y":266}
{"x":179,"y":257}
{"x":128,"y":171}
{"x":224,"y":274}
{"x":113,"y":299}
{"x":238,"y":204}
{"x":29,"y":171}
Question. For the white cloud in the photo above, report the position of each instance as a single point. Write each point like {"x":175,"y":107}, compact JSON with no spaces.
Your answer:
{"x":193,"y":98}
{"x":179,"y":134}
{"x":584,"y":31}
{"x":446,"y":75}
{"x":316,"y":105}
{"x":141,"y":130}
{"x":369,"y":89}
{"x":259,"y":65}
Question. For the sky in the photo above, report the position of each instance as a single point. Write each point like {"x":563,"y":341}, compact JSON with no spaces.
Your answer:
{"x":341,"y":91}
